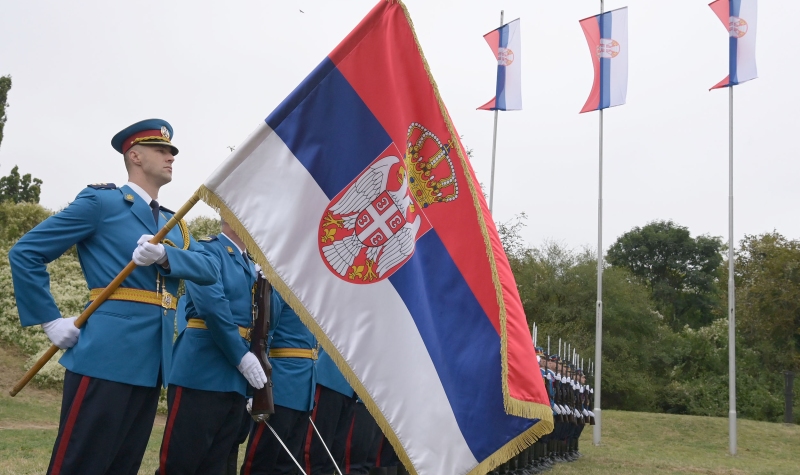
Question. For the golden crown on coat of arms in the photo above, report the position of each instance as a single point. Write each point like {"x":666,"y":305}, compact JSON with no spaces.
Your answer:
{"x":431,"y":175}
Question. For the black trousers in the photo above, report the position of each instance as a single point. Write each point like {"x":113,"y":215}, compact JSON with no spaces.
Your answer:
{"x":332,"y":414}
{"x":201,"y":428}
{"x":104,"y":426}
{"x":363,"y":442}
{"x":265,"y":455}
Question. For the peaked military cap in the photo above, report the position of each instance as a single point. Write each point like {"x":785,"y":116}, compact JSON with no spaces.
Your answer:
{"x":146,"y":132}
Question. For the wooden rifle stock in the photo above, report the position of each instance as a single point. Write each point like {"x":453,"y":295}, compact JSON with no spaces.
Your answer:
{"x":263,"y":402}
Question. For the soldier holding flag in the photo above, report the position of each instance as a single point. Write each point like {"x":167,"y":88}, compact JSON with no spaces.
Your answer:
{"x":117,"y":361}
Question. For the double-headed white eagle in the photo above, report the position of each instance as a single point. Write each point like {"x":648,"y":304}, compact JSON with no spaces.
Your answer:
{"x":341,"y":254}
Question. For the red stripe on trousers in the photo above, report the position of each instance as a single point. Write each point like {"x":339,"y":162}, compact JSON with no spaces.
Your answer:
{"x":168,"y":431}
{"x":311,"y":430}
{"x":380,"y":449}
{"x":349,"y":445}
{"x":73,"y":415}
{"x":253,"y":448}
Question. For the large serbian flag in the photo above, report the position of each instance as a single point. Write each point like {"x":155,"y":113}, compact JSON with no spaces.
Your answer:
{"x":357,"y":199}
{"x":607,"y":36}
{"x":740,"y":18}
{"x":506,"y":45}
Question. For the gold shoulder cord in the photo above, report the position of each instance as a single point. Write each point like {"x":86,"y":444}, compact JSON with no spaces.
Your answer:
{"x":166,"y":297}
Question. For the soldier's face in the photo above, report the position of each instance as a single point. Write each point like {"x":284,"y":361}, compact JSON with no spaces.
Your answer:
{"x":156,"y":162}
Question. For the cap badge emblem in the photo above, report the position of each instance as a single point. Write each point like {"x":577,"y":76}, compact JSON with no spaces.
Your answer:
{"x":164,"y":132}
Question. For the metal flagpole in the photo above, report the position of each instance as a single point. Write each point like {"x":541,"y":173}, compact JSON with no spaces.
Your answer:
{"x":731,"y":289}
{"x":598,"y":345}
{"x":494,"y":141}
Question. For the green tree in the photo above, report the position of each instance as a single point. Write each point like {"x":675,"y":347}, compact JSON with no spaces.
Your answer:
{"x":19,"y":189}
{"x":203,"y":226}
{"x":682,"y":272}
{"x":768,"y":298}
{"x":5,"y":86}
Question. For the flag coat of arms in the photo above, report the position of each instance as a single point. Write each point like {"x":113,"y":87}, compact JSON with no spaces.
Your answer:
{"x":506,"y":45}
{"x":607,"y":36}
{"x":740,"y":18}
{"x":357,"y":199}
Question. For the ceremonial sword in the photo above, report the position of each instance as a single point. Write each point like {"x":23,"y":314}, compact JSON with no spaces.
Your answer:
{"x":324,"y":445}
{"x":284,"y":447}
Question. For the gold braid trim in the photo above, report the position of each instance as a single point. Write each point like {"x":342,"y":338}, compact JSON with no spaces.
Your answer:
{"x":513,"y":406}
{"x":154,"y":137}
{"x":184,"y":232}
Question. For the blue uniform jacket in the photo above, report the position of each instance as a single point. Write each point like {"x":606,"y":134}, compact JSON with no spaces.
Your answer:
{"x":328,"y":375}
{"x":294,"y":378}
{"x":126,"y":342}
{"x":207,"y":359}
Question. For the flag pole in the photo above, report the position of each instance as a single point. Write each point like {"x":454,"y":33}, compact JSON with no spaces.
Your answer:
{"x":731,"y":288}
{"x":494,"y":141}
{"x":598,"y":345}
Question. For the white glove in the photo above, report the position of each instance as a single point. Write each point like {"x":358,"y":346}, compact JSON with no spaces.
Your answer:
{"x":258,"y":271}
{"x":146,"y":254}
{"x":62,"y":332}
{"x":252,"y":371}
{"x":249,"y":405}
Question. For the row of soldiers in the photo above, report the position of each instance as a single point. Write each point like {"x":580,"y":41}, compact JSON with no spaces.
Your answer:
{"x":118,"y":361}
{"x":571,"y":400}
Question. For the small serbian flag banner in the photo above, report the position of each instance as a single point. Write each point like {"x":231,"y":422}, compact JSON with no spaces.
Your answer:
{"x":506,"y":46}
{"x":607,"y":36}
{"x":356,"y":198}
{"x":740,"y":18}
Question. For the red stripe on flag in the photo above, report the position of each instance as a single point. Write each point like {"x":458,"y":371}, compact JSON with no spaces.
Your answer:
{"x":73,"y":415}
{"x":253,"y":448}
{"x":493,"y":38}
{"x":591,"y":29}
{"x":395,"y":65}
{"x":311,"y":429}
{"x":722,"y":8}
{"x":168,"y":433}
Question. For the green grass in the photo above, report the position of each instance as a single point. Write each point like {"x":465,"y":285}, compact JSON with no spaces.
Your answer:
{"x":633,"y":442}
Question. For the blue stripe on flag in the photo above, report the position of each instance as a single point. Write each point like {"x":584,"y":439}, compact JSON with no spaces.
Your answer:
{"x":500,"y":92}
{"x":733,"y":46}
{"x":453,"y":325}
{"x":300,"y":93}
{"x":329,"y":129}
{"x":735,"y":7}
{"x":605,"y":63}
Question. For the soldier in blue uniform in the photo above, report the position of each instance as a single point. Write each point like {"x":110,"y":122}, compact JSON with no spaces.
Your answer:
{"x":116,"y":362}
{"x":293,"y":354}
{"x":334,"y":404}
{"x":212,"y":364}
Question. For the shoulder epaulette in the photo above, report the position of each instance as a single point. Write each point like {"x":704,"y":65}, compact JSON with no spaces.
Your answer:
{"x":166,"y":209}
{"x":103,"y":186}
{"x":208,"y":239}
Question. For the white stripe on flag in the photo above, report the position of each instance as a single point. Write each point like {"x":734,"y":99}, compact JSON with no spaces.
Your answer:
{"x":357,"y":319}
{"x":618,"y":88}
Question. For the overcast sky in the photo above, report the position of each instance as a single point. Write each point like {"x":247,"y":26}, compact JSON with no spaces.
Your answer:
{"x":84,"y":70}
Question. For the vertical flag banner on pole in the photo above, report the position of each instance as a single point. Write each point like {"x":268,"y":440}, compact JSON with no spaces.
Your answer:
{"x":607,"y":36}
{"x":506,"y":45}
{"x":356,"y":198}
{"x":740,"y":17}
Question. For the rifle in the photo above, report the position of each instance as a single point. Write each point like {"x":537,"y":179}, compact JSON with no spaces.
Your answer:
{"x":263,"y":403}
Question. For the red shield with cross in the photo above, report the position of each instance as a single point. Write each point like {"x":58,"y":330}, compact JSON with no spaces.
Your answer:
{"x":380,"y":221}
{"x":370,"y":228}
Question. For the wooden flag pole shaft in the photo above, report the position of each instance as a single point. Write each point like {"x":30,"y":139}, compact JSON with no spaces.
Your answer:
{"x":105,"y":294}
